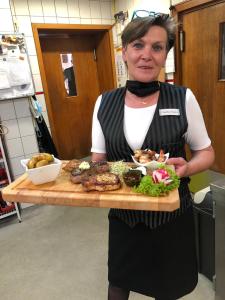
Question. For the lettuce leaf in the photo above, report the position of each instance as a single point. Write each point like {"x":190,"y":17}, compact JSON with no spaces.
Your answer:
{"x":148,"y":187}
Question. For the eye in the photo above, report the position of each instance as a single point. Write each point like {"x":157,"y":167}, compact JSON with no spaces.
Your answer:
{"x":158,"y":47}
{"x":137,"y":45}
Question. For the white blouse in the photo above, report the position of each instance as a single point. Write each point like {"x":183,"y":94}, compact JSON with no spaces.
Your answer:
{"x":138,"y":120}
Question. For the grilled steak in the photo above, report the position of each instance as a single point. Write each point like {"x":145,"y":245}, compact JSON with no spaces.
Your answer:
{"x":99,"y":167}
{"x":74,"y":163}
{"x":102,"y":182}
{"x":78,"y":175}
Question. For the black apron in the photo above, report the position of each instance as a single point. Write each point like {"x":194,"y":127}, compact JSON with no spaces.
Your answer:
{"x":152,"y":253}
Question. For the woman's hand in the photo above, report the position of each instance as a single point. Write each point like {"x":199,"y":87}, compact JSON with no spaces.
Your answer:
{"x":180,"y":164}
{"x":201,"y":160}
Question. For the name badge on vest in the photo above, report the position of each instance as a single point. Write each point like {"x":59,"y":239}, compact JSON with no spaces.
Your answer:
{"x":169,"y":112}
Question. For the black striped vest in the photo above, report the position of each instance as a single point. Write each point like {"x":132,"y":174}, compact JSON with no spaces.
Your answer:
{"x":165,"y":132}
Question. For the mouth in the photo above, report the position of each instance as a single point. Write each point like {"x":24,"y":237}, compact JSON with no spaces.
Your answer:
{"x":145,"y":67}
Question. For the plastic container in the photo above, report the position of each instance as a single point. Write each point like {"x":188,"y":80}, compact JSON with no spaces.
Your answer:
{"x":43,"y":174}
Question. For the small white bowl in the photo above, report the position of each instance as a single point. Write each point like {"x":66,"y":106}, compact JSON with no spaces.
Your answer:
{"x":43,"y":174}
{"x":153,"y":165}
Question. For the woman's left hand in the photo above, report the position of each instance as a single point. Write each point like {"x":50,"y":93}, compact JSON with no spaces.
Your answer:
{"x":180,"y":164}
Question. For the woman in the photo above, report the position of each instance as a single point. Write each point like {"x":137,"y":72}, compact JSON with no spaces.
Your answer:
{"x":151,"y":253}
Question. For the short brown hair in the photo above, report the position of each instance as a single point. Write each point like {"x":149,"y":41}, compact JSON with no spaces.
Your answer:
{"x":138,"y":27}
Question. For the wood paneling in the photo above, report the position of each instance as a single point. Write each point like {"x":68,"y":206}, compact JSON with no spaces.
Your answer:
{"x":198,"y":68}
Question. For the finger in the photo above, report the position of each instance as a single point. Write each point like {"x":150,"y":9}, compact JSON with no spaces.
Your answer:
{"x":172,"y":161}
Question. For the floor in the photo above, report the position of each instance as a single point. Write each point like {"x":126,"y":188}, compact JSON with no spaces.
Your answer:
{"x":60,"y":253}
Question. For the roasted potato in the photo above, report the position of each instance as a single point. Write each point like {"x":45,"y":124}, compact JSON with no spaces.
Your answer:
{"x":39,"y":160}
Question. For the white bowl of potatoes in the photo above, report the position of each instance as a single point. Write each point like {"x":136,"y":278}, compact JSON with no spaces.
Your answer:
{"x":42,"y":168}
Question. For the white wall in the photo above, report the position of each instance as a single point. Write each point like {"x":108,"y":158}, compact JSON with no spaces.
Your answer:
{"x":15,"y":114}
{"x":174,"y":2}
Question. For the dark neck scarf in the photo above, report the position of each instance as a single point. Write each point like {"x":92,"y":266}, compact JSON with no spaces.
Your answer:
{"x":142,"y":89}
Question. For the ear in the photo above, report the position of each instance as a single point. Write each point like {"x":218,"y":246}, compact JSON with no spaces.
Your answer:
{"x":124,"y":56}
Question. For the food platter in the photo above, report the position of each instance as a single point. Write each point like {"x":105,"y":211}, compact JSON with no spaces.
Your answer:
{"x":63,"y":192}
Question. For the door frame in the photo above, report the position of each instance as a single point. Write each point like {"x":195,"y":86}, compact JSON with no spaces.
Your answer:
{"x":178,"y":11}
{"x":105,"y":47}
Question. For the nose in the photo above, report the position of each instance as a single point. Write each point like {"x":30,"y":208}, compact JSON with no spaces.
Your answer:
{"x":147,"y":53}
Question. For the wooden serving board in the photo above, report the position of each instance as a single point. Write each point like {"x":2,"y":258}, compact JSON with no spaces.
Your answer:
{"x":63,"y":192}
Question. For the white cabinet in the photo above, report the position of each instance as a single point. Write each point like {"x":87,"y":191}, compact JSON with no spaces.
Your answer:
{"x":6,"y":209}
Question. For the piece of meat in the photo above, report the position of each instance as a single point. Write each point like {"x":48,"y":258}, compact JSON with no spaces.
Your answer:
{"x":102,"y":182}
{"x":100,"y":166}
{"x":77,"y":175}
{"x":72,"y":164}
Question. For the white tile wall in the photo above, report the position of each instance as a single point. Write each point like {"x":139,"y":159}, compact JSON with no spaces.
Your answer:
{"x":176,"y":1}
{"x":37,"y":19}
{"x":35,"y":7}
{"x":34,"y":64}
{"x":73,"y":8}
{"x":85,"y":21}
{"x":50,"y":20}
{"x":61,"y":8}
{"x":24,"y":25}
{"x":22,"y":108}
{"x":74,"y":20}
{"x":29,"y":145}
{"x":26,"y":126}
{"x":7,"y":110}
{"x":4,"y":4}
{"x":95,"y":9}
{"x":96,"y":21}
{"x":13,"y":129}
{"x":16,"y":166}
{"x":106,"y":10}
{"x":30,"y":45}
{"x":85,"y":10}
{"x":62,"y":20}
{"x":15,"y":147}
{"x":38,"y":83}
{"x":6,"y":20}
{"x":49,"y":8}
{"x":21,"y":7}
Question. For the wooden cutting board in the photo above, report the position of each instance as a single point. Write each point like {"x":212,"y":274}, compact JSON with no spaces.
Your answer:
{"x":63,"y":192}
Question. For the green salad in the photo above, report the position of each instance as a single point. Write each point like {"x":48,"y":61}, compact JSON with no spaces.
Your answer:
{"x":148,"y":187}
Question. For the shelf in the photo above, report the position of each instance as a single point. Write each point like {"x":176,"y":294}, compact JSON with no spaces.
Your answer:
{"x":4,"y":182}
{"x":4,"y":215}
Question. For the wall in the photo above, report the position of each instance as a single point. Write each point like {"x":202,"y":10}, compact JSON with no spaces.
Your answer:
{"x":15,"y":114}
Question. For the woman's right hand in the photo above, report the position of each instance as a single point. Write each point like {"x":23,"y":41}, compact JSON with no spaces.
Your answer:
{"x":180,"y":164}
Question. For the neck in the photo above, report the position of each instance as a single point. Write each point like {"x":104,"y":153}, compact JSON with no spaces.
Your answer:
{"x":134,"y":101}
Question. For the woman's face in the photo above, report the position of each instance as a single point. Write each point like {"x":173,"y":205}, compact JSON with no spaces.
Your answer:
{"x":146,"y":56}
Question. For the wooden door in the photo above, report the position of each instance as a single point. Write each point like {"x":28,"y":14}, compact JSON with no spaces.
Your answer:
{"x":71,"y":115}
{"x":199,"y":66}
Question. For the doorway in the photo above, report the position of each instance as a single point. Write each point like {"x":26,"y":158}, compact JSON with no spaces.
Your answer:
{"x":76,"y":64}
{"x":199,"y":64}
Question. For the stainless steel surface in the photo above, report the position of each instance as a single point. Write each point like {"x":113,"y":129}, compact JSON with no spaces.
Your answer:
{"x":218,"y":195}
